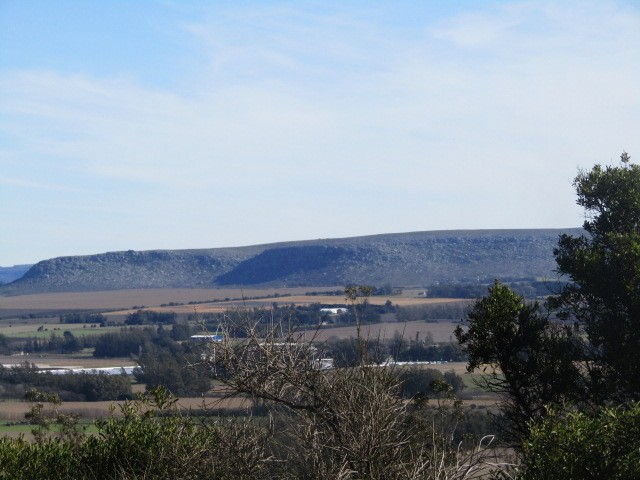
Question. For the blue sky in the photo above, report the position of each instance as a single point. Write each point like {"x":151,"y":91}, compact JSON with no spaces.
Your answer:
{"x":175,"y":124}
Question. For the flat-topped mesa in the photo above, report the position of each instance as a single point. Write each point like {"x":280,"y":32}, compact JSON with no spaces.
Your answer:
{"x":401,"y":259}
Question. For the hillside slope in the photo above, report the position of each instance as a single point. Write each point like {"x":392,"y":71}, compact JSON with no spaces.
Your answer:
{"x":9,"y":274}
{"x":418,"y":258}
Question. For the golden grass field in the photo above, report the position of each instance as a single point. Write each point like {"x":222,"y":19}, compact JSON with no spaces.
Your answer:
{"x":124,"y":299}
{"x":220,"y":307}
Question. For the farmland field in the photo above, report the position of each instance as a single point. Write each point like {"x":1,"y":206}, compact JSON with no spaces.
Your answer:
{"x":219,"y":307}
{"x":36,"y":315}
{"x":84,"y":360}
{"x":15,"y":410}
{"x":441,"y":331}
{"x":115,"y":305}
{"x":124,"y":301}
{"x":31,"y":330}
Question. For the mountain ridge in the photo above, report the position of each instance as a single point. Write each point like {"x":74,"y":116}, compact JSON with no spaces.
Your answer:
{"x":9,"y":274}
{"x":400,"y":259}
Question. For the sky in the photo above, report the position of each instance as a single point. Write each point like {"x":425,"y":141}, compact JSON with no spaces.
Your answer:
{"x":197,"y":124}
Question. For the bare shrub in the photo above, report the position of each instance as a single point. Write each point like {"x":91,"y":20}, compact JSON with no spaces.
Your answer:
{"x":347,"y":422}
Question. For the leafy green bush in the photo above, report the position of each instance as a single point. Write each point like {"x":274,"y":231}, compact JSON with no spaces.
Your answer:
{"x":605,"y":445}
{"x":144,"y":317}
{"x":150,"y":440}
{"x":423,"y":381}
{"x":22,"y":459}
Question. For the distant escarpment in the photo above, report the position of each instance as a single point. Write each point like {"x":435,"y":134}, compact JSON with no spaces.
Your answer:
{"x":9,"y":274}
{"x":404,"y":259}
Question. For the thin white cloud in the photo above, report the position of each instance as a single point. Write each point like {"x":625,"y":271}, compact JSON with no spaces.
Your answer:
{"x":29,"y":184}
{"x":475,"y":120}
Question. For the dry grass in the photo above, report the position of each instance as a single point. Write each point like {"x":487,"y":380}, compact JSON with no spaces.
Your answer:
{"x":332,"y":299}
{"x":14,"y":410}
{"x":52,"y":326}
{"x":221,"y":307}
{"x":121,"y":299}
{"x":121,"y":302}
{"x":441,"y":331}
{"x":17,"y":328}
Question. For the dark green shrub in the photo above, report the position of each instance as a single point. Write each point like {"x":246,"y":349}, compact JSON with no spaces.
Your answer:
{"x":150,"y":440}
{"x":605,"y":445}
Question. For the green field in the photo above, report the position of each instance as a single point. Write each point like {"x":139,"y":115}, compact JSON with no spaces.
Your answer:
{"x":15,"y":429}
{"x":31,"y":330}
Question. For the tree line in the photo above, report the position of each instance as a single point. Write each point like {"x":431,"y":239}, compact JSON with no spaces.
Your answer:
{"x":16,"y":381}
{"x":569,"y":369}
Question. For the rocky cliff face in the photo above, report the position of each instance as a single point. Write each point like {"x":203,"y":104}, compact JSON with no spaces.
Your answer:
{"x":418,"y":258}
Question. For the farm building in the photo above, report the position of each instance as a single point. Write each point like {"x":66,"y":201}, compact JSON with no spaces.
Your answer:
{"x":334,"y":311}
{"x":206,"y":338}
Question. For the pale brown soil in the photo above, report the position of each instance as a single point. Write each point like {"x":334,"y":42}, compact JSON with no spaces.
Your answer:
{"x":220,"y":307}
{"x":441,"y":331}
{"x":121,"y":302}
{"x":122,"y":299}
{"x":331,"y":299}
